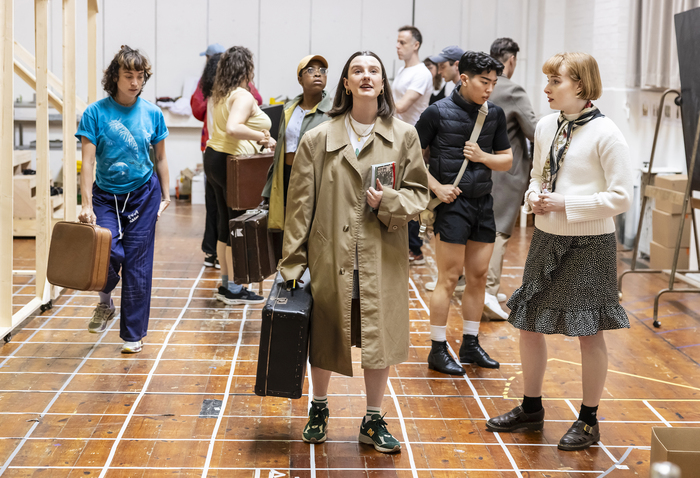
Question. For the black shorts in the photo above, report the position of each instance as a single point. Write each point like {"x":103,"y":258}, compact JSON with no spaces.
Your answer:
{"x":466,"y":219}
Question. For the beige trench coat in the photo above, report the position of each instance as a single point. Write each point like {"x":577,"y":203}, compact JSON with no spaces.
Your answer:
{"x":328,"y":216}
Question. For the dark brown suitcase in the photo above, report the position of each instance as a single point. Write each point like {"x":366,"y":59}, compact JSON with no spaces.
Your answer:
{"x":246,"y":176}
{"x":284,"y":340}
{"x":79,"y":256}
{"x":252,"y":247}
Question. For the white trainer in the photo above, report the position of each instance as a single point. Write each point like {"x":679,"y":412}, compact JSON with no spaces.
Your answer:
{"x":492,"y":309}
{"x":501,"y":297}
{"x":458,"y":289}
{"x":132,"y":347}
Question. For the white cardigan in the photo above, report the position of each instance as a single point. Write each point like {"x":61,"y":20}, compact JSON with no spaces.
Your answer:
{"x":595,"y":178}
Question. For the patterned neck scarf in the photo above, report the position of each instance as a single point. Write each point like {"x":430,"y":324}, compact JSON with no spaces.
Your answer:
{"x":561,"y":142}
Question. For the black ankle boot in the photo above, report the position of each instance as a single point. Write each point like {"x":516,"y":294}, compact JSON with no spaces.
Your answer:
{"x":471,"y":352}
{"x":441,"y":361}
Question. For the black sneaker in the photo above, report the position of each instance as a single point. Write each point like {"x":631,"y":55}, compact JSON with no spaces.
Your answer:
{"x":243,"y":297}
{"x":210,"y":260}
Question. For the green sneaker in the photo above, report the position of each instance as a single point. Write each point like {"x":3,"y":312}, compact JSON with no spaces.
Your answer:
{"x":374,"y":432}
{"x":315,"y":429}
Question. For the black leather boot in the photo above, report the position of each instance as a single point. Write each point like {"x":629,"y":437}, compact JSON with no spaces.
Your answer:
{"x":441,"y":361}
{"x":471,"y":352}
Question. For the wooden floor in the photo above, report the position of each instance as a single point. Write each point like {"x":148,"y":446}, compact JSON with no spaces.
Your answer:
{"x":71,"y":405}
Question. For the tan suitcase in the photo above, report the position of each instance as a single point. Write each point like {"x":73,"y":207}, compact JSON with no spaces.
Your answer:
{"x":246,"y":178}
{"x":79,"y":256}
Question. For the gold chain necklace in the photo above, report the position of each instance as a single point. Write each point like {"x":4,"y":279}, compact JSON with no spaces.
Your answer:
{"x":360,"y":136}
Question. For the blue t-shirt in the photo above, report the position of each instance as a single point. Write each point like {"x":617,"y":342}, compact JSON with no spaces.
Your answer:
{"x":122,"y":136}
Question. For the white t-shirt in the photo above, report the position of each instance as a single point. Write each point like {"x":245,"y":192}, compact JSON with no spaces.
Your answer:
{"x":417,"y":78}
{"x":291,"y":138}
{"x":357,"y":142}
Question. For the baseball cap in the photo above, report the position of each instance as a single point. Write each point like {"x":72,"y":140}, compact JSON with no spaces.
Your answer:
{"x":213,"y":49}
{"x":308,"y":59}
{"x":449,"y":53}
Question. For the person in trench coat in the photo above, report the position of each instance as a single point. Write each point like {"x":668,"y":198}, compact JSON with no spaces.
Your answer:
{"x":353,"y":237}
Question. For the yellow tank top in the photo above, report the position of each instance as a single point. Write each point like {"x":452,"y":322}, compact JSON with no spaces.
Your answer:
{"x":220,"y":141}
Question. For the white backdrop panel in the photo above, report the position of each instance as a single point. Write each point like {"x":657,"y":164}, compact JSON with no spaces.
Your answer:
{"x":381,"y":21}
{"x":236,"y":23}
{"x":133,"y":23}
{"x":441,"y":26}
{"x":285,"y":37}
{"x":334,"y":36}
{"x":181,"y":37}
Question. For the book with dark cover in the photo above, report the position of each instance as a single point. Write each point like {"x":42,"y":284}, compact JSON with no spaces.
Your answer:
{"x":386,"y":173}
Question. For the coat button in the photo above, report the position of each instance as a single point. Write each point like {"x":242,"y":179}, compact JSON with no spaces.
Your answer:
{"x":346,"y":228}
{"x":394,"y":227}
{"x":342,"y":271}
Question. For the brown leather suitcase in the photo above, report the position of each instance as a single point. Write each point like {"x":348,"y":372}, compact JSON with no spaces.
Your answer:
{"x":79,"y":256}
{"x":252,"y":247}
{"x":246,"y":176}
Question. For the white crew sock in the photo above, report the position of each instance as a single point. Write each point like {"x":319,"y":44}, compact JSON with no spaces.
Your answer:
{"x":372,"y":411}
{"x":470,"y":328}
{"x":438,"y":333}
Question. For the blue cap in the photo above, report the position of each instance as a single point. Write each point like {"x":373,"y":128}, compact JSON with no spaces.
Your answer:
{"x":213,"y":49}
{"x":449,"y":53}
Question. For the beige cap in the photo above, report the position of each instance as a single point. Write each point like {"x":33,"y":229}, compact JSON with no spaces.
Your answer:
{"x":308,"y":59}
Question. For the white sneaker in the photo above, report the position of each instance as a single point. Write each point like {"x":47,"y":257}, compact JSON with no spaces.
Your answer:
{"x":501,"y":297}
{"x":430,"y":285}
{"x":132,"y":347}
{"x":492,"y":309}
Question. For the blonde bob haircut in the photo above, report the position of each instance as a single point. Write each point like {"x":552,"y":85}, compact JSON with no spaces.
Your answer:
{"x":582,"y":68}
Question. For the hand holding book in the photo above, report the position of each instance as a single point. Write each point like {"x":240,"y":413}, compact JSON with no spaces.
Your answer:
{"x":374,"y":196}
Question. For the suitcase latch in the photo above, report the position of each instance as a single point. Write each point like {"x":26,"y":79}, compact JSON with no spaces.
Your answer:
{"x":281,"y":300}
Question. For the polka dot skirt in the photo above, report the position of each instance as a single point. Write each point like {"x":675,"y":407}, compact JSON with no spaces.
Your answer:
{"x":569,"y":286}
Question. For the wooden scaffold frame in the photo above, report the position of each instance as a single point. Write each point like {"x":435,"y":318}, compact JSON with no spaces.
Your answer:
{"x":15,"y":59}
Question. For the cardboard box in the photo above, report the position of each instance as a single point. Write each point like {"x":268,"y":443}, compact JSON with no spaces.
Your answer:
{"x":665,"y":228}
{"x":674,"y":182}
{"x":661,"y":257}
{"x":677,"y":445}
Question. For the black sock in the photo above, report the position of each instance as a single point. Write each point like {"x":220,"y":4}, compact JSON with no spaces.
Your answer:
{"x":588,"y":415}
{"x":532,"y":404}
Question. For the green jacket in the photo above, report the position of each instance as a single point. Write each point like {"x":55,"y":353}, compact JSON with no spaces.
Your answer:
{"x":274,"y":189}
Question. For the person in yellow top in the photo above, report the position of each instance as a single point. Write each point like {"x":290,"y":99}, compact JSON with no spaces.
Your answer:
{"x":236,"y":125}
{"x":304,"y":112}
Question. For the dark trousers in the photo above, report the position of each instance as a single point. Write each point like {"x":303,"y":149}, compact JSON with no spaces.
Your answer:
{"x":210,"y":224}
{"x":132,"y":219}
{"x":215,"y":169}
{"x":414,"y":240}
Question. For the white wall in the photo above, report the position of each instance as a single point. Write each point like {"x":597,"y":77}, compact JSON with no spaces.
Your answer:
{"x":279,"y":32}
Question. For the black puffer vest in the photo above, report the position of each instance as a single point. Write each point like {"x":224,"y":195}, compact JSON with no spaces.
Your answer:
{"x":457,"y":118}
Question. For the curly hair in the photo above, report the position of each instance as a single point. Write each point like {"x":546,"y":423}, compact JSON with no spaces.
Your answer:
{"x":236,"y":66}
{"x":342,"y":103}
{"x":477,"y":62}
{"x":209,"y":73}
{"x":129,"y":59}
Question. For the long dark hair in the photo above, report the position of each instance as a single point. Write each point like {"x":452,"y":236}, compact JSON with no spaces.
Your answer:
{"x":129,"y":59}
{"x":235,"y":66}
{"x":209,"y":73}
{"x":343,"y":102}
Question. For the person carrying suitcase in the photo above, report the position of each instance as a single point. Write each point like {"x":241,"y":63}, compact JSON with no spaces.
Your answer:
{"x":125,"y":196}
{"x":352,"y":235}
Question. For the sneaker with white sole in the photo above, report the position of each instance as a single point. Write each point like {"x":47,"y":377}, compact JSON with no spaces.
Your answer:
{"x":492,"y":309}
{"x":132,"y":347}
{"x":459,"y":288}
{"x":243,"y":297}
{"x":373,"y":432}
{"x":103,"y":313}
{"x":501,"y":297}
